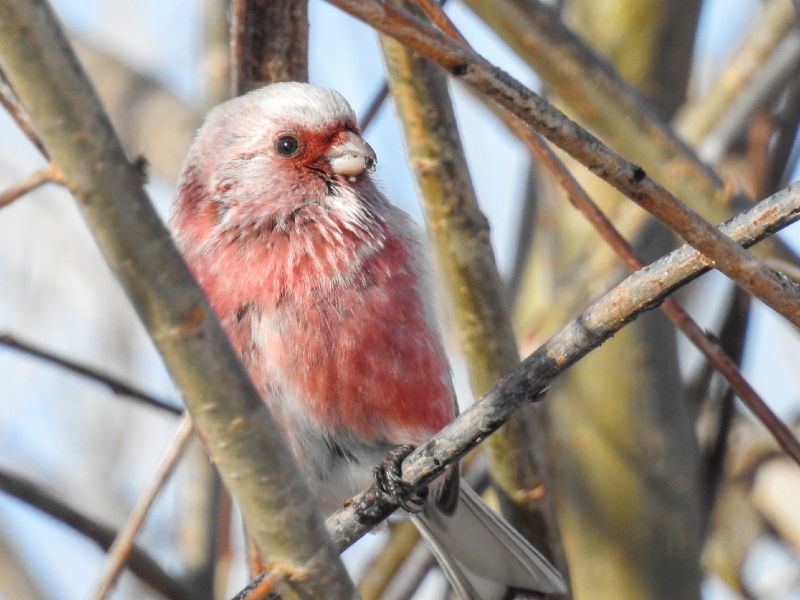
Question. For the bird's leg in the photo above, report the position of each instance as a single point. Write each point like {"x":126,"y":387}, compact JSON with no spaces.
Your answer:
{"x":389,"y":479}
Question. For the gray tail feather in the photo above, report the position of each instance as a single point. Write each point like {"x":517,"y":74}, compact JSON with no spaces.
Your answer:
{"x":481,"y":554}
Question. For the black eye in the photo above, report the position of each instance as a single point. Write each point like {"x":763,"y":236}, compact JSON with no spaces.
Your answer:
{"x":287,"y":145}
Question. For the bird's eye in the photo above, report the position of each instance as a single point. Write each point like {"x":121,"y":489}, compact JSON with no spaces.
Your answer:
{"x":287,"y":145}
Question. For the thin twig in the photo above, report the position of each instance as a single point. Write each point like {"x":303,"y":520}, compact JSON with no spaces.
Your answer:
{"x":120,"y":550}
{"x":117,"y":386}
{"x":9,"y":101}
{"x":765,"y":84}
{"x":435,"y":12}
{"x":140,"y":563}
{"x":374,"y":106}
{"x":698,"y":118}
{"x":630,"y":179}
{"x":47,"y":174}
{"x":732,"y":338}
{"x":638,"y":293}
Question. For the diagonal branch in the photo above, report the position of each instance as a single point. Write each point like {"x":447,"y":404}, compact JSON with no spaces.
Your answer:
{"x":9,"y":101}
{"x":239,"y":433}
{"x":47,"y":174}
{"x":630,"y":179}
{"x":460,"y":235}
{"x":120,"y":550}
{"x":697,"y":119}
{"x":117,"y":386}
{"x":140,"y":563}
{"x":638,"y":293}
{"x":674,"y":311}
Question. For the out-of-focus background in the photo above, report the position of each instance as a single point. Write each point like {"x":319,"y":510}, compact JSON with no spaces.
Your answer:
{"x":159,"y":66}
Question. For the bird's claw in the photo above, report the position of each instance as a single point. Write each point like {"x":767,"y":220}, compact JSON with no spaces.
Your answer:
{"x":389,"y":479}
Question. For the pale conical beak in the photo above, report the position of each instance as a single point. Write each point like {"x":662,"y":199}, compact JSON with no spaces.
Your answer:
{"x":351,"y":156}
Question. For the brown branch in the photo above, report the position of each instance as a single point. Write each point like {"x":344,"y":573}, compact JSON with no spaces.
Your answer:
{"x":676,"y":313}
{"x":600,"y":98}
{"x":460,"y":235}
{"x":269,"y":42}
{"x":120,"y":550}
{"x":47,"y":174}
{"x":698,"y":118}
{"x":239,"y":433}
{"x":374,"y":106}
{"x":638,"y":293}
{"x":782,"y":295}
{"x":140,"y":563}
{"x":404,"y":537}
{"x":117,"y":386}
{"x":9,"y":101}
{"x":732,"y":338}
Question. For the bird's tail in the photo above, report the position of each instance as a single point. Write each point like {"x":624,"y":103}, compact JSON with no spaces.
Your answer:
{"x":481,"y":554}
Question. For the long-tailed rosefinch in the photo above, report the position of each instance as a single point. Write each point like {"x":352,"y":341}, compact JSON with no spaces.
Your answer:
{"x":323,"y":290}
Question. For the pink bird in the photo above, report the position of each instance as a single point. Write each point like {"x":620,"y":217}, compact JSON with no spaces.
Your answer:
{"x":323,"y":289}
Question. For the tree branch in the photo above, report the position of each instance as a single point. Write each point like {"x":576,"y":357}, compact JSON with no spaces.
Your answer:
{"x":269,"y":42}
{"x":697,"y":119}
{"x":140,"y":563}
{"x":460,"y":233}
{"x":120,"y":550}
{"x":117,"y":386}
{"x":238,"y":431}
{"x":47,"y":174}
{"x":638,"y":293}
{"x":9,"y":101}
{"x":777,"y":292}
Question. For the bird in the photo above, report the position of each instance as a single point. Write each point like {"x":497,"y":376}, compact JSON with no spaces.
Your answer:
{"x":325,"y":292}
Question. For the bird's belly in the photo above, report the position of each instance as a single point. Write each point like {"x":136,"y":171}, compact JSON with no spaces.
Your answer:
{"x":361,"y":367}
{"x":348,"y":380}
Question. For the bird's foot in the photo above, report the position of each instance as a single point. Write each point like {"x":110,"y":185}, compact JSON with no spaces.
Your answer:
{"x":389,"y":479}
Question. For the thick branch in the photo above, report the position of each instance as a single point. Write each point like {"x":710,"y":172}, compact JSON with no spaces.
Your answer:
{"x":240,"y":435}
{"x":269,"y":42}
{"x":630,"y":179}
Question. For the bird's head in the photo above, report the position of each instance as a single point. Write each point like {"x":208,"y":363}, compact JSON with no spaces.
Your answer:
{"x":260,"y":160}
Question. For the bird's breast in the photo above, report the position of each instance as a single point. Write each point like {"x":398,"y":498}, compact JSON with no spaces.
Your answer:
{"x":359,"y":351}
